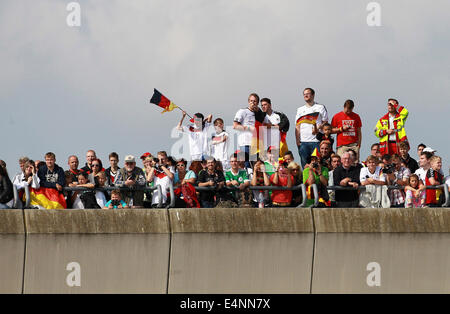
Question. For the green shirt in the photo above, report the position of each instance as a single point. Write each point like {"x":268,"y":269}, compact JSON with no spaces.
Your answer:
{"x":316,"y":180}
{"x":269,"y":168}
{"x":240,"y":177}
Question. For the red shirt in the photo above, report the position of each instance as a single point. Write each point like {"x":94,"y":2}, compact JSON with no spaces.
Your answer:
{"x":281,"y":196}
{"x":432,"y":195}
{"x":351,"y":135}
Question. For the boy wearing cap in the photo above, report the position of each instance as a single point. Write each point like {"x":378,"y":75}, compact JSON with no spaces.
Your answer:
{"x":132,"y":177}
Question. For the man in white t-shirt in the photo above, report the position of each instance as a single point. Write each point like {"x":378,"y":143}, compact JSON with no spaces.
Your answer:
{"x":244,"y":122}
{"x":307,"y":115}
{"x":271,"y":135}
{"x":219,"y":144}
{"x":198,"y":135}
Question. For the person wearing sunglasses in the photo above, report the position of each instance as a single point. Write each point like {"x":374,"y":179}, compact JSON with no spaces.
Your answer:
{"x":390,"y":128}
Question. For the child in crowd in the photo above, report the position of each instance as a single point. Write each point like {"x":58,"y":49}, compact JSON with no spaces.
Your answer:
{"x":99,"y":195}
{"x":116,"y":201}
{"x":219,"y":144}
{"x":434,"y":177}
{"x":198,"y":135}
{"x":260,"y":178}
{"x":415,"y":197}
{"x":84,"y":199}
{"x":326,"y":135}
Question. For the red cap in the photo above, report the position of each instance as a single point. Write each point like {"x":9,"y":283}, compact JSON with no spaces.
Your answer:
{"x":144,"y":155}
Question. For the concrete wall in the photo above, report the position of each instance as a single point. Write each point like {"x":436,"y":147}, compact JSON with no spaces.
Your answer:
{"x":235,"y":250}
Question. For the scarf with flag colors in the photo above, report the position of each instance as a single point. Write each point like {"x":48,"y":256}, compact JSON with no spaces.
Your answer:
{"x":162,"y":101}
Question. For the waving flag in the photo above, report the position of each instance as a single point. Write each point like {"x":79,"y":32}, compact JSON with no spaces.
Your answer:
{"x":162,"y":101}
{"x":309,"y":118}
{"x":46,"y":198}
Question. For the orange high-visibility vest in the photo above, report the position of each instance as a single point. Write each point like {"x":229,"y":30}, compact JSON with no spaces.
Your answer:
{"x":399,"y":125}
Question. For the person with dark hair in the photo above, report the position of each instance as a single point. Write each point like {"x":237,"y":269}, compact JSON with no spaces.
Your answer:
{"x":409,"y":162}
{"x":282,"y":177}
{"x":51,"y":175}
{"x":6,"y":189}
{"x":197,"y":133}
{"x":375,"y":150}
{"x":161,"y":174}
{"x":276,"y":126}
{"x":347,"y":175}
{"x":84,"y":199}
{"x":424,"y":163}
{"x":112,"y":171}
{"x":420,"y":149}
{"x":326,"y":135}
{"x":96,"y":167}
{"x":307,"y":116}
{"x":211,"y":178}
{"x":347,"y":124}
{"x":288,"y":157}
{"x":325,"y":154}
{"x":219,"y":143}
{"x":27,"y":178}
{"x":315,"y":173}
{"x":238,"y":179}
{"x":390,"y":128}
{"x":196,"y":167}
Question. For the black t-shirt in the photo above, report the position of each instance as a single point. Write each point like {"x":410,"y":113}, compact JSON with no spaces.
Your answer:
{"x":341,"y":173}
{"x":410,"y":163}
{"x":205,"y":176}
{"x":321,"y":137}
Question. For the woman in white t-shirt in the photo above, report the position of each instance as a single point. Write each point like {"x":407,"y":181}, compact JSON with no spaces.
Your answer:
{"x":372,"y":174}
{"x":198,"y":135}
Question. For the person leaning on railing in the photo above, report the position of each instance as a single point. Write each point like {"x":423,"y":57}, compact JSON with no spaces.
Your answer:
{"x":260,"y":178}
{"x":298,"y":179}
{"x":347,"y":175}
{"x":398,"y":176}
{"x":282,"y":177}
{"x":315,"y":173}
{"x":6,"y":189}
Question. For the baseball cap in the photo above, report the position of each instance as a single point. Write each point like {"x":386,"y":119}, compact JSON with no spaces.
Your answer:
{"x":147,"y":154}
{"x":129,"y":158}
{"x":429,"y":149}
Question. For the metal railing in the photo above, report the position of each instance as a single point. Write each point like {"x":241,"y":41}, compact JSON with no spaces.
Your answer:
{"x":234,"y":189}
{"x":170,"y":189}
{"x":390,"y":187}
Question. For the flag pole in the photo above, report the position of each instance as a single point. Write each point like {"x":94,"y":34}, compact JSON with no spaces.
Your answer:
{"x":184,"y":111}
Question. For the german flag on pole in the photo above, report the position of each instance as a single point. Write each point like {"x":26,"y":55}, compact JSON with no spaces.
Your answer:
{"x":46,"y":198}
{"x":161,"y":101}
{"x":309,"y":118}
{"x":283,"y":144}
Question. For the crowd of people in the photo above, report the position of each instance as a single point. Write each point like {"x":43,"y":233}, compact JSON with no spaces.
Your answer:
{"x":215,"y":177}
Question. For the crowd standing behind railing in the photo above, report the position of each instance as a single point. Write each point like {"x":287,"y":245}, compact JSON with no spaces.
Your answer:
{"x":256,"y":175}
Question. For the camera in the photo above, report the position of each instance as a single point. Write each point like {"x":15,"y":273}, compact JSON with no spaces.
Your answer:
{"x":315,"y":165}
{"x":115,"y":202}
{"x":132,"y":177}
{"x":388,"y":169}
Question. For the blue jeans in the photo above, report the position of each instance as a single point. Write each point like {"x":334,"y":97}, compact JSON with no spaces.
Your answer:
{"x":245,"y":150}
{"x":305,"y":150}
{"x":3,"y":206}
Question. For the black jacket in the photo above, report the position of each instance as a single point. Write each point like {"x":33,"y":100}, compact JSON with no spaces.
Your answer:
{"x":6,"y":190}
{"x":341,"y":173}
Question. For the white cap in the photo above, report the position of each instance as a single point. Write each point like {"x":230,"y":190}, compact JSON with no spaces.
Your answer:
{"x":429,"y":149}
{"x":129,"y":158}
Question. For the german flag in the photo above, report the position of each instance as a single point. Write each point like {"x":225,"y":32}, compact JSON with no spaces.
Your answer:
{"x":283,"y":144}
{"x":46,"y":198}
{"x":161,"y":101}
{"x":309,"y":118}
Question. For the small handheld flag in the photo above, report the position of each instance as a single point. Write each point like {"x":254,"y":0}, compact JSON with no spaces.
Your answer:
{"x":162,"y":101}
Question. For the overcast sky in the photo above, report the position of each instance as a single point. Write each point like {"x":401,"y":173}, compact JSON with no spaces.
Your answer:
{"x":69,"y":89}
